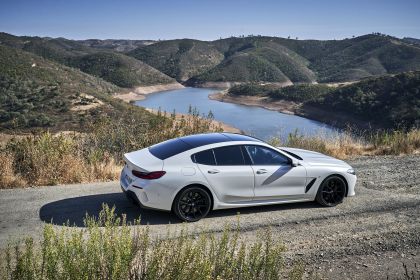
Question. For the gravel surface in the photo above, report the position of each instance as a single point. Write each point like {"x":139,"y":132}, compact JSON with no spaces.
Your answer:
{"x":369,"y":236}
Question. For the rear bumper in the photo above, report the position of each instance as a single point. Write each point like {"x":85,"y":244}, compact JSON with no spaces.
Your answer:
{"x":133,"y":197}
{"x":144,"y":193}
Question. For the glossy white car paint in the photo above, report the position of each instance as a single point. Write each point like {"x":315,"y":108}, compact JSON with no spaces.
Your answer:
{"x":232,"y":186}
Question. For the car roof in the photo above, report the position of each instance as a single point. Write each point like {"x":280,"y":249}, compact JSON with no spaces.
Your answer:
{"x":179,"y":145}
{"x":198,"y":140}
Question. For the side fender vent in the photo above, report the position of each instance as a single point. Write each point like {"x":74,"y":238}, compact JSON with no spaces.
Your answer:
{"x":308,"y":186}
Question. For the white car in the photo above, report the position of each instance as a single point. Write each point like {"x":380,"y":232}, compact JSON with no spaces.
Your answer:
{"x":194,"y":174}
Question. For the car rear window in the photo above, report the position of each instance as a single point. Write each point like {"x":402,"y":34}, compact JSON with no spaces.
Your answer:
{"x":169,"y":148}
{"x":229,"y":155}
{"x":204,"y":157}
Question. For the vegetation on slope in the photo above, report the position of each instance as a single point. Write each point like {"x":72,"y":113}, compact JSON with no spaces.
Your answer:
{"x":119,"y":45}
{"x":121,"y":70}
{"x":297,"y":93}
{"x":180,"y":59}
{"x":242,"y":68}
{"x":389,"y":101}
{"x":300,"y":61}
{"x":35,"y":92}
{"x":113,"y":67}
{"x":356,"y":58}
{"x":303,"y":61}
{"x":393,"y":101}
{"x":412,"y":41}
{"x":294,"y":66}
{"x":60,"y":50}
{"x":330,"y":61}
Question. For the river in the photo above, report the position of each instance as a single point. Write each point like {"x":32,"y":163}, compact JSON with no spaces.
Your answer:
{"x":255,"y":121}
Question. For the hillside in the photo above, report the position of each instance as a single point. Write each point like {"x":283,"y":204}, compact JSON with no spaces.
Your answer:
{"x":119,"y":69}
{"x":59,"y":49}
{"x":235,"y":59}
{"x":242,"y":67}
{"x":113,"y":67}
{"x":39,"y":93}
{"x":293,"y":65}
{"x":413,"y":41}
{"x":118,"y":45}
{"x":179,"y":59}
{"x":389,"y":101}
{"x":298,"y":61}
{"x":257,"y":59}
{"x":368,"y":56}
{"x":297,"y":93}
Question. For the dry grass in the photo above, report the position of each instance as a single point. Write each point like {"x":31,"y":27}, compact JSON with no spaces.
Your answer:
{"x":47,"y":159}
{"x":63,"y":158}
{"x":8,"y":178}
{"x":350,"y":144}
{"x":396,"y":142}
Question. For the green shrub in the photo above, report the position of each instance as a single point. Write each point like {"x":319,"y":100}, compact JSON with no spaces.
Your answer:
{"x":111,"y":248}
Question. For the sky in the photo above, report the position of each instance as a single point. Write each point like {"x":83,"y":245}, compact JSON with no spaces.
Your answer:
{"x":209,"y":20}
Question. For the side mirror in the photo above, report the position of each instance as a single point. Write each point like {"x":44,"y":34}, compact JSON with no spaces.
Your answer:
{"x":295,"y":162}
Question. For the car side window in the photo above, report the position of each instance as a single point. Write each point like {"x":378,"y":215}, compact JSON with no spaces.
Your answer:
{"x":204,"y":157}
{"x":265,"y":156}
{"x":229,"y":155}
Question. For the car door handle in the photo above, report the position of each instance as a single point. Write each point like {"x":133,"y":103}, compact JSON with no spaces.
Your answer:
{"x":261,"y":171}
{"x":213,"y":171}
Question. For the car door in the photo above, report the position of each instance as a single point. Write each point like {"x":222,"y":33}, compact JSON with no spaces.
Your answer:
{"x":275,"y":177}
{"x":227,"y":173}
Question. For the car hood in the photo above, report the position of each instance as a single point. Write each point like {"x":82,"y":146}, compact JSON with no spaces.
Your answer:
{"x":315,"y":158}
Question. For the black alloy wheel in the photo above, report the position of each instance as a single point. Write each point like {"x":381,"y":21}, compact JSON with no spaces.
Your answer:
{"x":192,"y":204}
{"x":332,"y":191}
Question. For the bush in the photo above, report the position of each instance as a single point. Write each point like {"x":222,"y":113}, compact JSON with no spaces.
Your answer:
{"x":47,"y":159}
{"x":108,"y":248}
{"x":8,"y":177}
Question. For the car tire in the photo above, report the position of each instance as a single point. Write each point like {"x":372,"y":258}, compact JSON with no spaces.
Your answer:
{"x":332,"y":191}
{"x":192,"y":204}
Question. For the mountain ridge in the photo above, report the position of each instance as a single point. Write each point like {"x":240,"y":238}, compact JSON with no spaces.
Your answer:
{"x":259,"y":58}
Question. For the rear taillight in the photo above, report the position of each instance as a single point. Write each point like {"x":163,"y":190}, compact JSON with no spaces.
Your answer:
{"x":148,"y":175}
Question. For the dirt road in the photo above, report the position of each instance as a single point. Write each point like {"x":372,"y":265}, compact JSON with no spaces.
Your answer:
{"x":369,"y":236}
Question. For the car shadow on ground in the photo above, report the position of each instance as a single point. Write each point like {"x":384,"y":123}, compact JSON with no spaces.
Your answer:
{"x":74,"y":210}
